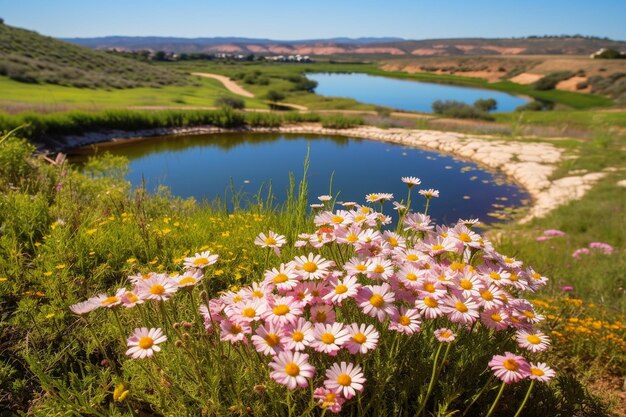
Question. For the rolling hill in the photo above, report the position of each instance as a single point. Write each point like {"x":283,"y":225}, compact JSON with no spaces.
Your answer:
{"x":30,"y":57}
{"x":574,"y":45}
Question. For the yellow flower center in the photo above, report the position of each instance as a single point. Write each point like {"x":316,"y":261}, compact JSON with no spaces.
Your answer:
{"x":377,"y":300}
{"x":132,"y":297}
{"x":146,"y":342}
{"x":393,"y":241}
{"x":487,"y":295}
{"x":412,"y":257}
{"x":529,"y":314}
{"x":157,"y":289}
{"x":511,"y":364}
{"x":235,"y":329}
{"x":537,"y":372}
{"x":272,"y":339}
{"x":270,"y":241}
{"x":280,"y":278}
{"x":430,"y":302}
{"x":535,"y":275}
{"x":187,"y":280}
{"x":248,"y":312}
{"x":411,"y":276}
{"x":360,"y":267}
{"x":379,"y":269}
{"x":429,"y":287}
{"x":237,"y":298}
{"x":320,"y":317}
{"x":466,"y":284}
{"x":445,"y":334}
{"x":360,"y":338}
{"x":309,"y":267}
{"x":514,"y":277}
{"x":508,"y":260}
{"x":495,"y":276}
{"x":359,"y":218}
{"x":200,"y":261}
{"x":437,"y":247}
{"x":404,"y":320}
{"x":292,"y":369}
{"x":352,"y":238}
{"x":457,"y":266}
{"x":328,"y":338}
{"x":344,"y":379}
{"x":340,"y":289}
{"x":496,"y":317}
{"x":460,"y":307}
{"x":464,"y":237}
{"x":258,"y":294}
{"x":281,"y":309}
{"x":533,"y":339}
{"x":337,"y":219}
{"x":109,"y":300}
{"x":297,"y":336}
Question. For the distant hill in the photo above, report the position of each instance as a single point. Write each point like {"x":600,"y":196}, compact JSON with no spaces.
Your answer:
{"x":30,"y":57}
{"x":575,"y":45}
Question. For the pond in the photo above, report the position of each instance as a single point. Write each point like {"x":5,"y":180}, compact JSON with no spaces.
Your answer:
{"x":405,"y":94}
{"x":203,"y":166}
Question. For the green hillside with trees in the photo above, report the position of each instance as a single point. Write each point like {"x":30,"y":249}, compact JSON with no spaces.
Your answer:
{"x":29,"y":57}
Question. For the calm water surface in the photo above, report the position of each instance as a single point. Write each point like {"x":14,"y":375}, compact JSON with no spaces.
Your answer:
{"x":405,"y":94}
{"x":202,"y":166}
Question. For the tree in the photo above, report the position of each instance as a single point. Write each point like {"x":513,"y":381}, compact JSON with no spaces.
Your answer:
{"x":488,"y":104}
{"x":274,"y":96}
{"x":1,"y":21}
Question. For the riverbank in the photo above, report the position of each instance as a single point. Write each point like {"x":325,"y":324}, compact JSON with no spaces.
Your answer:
{"x":530,"y":164}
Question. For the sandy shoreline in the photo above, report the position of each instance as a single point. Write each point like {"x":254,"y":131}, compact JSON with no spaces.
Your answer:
{"x":530,"y":164}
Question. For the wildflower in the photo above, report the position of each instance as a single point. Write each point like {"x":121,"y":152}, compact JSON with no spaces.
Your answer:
{"x":200,"y":260}
{"x":460,"y":309}
{"x":567,"y":288}
{"x":144,"y":342}
{"x":247,"y":310}
{"x":376,"y":300}
{"x":272,"y":240}
{"x":234,"y":332}
{"x":342,"y":289}
{"x":578,"y":253}
{"x":541,"y":372}
{"x":533,"y":341}
{"x":406,"y":321}
{"x":83,"y":307}
{"x":345,"y":379}
{"x":411,"y":181}
{"x":444,"y":335}
{"x":380,"y":268}
{"x":604,"y":247}
{"x":553,"y":232}
{"x":495,"y":319}
{"x":316,"y":206}
{"x":283,"y":310}
{"x":323,"y":313}
{"x":269,"y":339}
{"x":329,"y":338}
{"x":120,"y":392}
{"x":324,"y":198}
{"x":299,"y":334}
{"x":291,"y":369}
{"x":376,"y":197}
{"x":399,"y":207}
{"x":159,"y":287}
{"x":430,"y":193}
{"x":190,"y":278}
{"x":362,"y":339}
{"x":312,"y":266}
{"x":509,"y":368}
{"x":284,"y":278}
{"x":429,"y":306}
{"x":328,"y":399}
{"x":104,"y":300}
{"x":418,"y":222}
{"x":130,"y":299}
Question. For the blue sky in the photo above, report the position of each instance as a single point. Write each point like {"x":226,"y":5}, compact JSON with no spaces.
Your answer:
{"x":294,"y":19}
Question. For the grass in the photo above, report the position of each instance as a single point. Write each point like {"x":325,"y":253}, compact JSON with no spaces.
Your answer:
{"x":54,"y":253}
{"x":203,"y":94}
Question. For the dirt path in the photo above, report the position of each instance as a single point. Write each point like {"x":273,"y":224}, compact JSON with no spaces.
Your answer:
{"x":232,"y":86}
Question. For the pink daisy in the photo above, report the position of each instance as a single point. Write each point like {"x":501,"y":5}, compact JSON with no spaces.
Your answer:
{"x":376,"y":300}
{"x":509,"y":368}
{"x":200,"y":260}
{"x":312,"y":266}
{"x":342,"y":289}
{"x":362,"y":338}
{"x":345,"y":379}
{"x":444,"y":335}
{"x":299,"y":335}
{"x":541,"y":372}
{"x":329,"y":338}
{"x":535,"y":341}
{"x":328,"y":399}
{"x":271,"y":240}
{"x":144,"y":342}
{"x":269,"y":339}
{"x":283,"y":279}
{"x":407,"y":321}
{"x":160,"y":287}
{"x":291,"y":369}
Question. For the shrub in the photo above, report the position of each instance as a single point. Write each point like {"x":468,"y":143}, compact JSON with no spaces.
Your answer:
{"x":550,"y":81}
{"x":274,"y":96}
{"x":341,"y":122}
{"x":257,"y":119}
{"x":460,"y":110}
{"x":488,"y":104}
{"x":231,"y":102}
{"x":531,"y":106}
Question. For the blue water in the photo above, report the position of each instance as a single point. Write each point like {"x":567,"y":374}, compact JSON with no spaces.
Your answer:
{"x":203,"y":166}
{"x":404,"y":94}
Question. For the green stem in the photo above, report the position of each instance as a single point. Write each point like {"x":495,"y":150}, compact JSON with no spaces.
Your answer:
{"x":530,"y":388}
{"x":431,"y":384}
{"x":476,"y":398}
{"x":495,"y":402}
{"x":427,"y":204}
